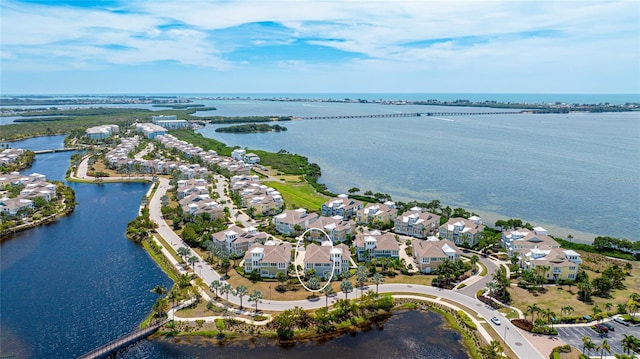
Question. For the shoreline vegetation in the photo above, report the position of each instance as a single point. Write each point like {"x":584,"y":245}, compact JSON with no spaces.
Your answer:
{"x":251,"y":128}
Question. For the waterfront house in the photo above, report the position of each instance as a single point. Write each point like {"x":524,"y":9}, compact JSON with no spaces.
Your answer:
{"x":521,"y":240}
{"x":268,"y":259}
{"x":11,"y":206}
{"x":101,"y":132}
{"x":294,"y":221}
{"x":324,"y":258}
{"x":560,"y":264}
{"x":196,"y":204}
{"x":383,"y":213}
{"x":238,"y":154}
{"x":461,"y":230}
{"x":374,"y":244}
{"x":417,"y":222}
{"x":251,"y":158}
{"x":429,"y":254}
{"x":337,"y":228}
{"x":236,"y":240}
{"x":341,"y":206}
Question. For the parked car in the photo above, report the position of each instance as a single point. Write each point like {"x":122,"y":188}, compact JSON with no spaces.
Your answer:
{"x":609,"y":326}
{"x":601,"y":328}
{"x":495,"y":320}
{"x":621,"y":321}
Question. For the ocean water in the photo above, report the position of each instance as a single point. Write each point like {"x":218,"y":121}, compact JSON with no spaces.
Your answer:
{"x":576,"y":173}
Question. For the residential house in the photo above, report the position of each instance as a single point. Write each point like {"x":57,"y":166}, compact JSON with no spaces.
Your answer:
{"x":377,"y":212}
{"x":341,"y":206}
{"x":376,"y":245}
{"x":196,"y":204}
{"x":559,"y":263}
{"x":417,"y":222}
{"x":268,"y":259}
{"x":236,"y":240}
{"x":429,"y":254}
{"x":101,"y":132}
{"x":461,"y":230}
{"x":521,"y":240}
{"x":294,"y":221}
{"x":324,"y":258}
{"x":337,"y":228}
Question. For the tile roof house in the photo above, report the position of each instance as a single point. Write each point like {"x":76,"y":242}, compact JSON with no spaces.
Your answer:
{"x":236,"y":240}
{"x":335,"y":227}
{"x":268,"y":259}
{"x":373,"y":244}
{"x":287,"y":221}
{"x":341,"y":206}
{"x":417,"y":222}
{"x":378,"y":212}
{"x":461,"y":230}
{"x":429,"y":254}
{"x":323,"y":258}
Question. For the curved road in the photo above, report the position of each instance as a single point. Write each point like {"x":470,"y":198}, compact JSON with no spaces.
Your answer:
{"x":466,"y":296}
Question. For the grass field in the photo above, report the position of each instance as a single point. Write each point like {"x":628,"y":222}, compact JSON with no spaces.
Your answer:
{"x":299,"y":194}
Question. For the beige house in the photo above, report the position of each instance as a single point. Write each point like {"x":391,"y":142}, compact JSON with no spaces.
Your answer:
{"x":461,"y":230}
{"x":268,"y":259}
{"x":522,"y":240}
{"x":377,"y":212}
{"x":428,"y":254}
{"x":236,"y":240}
{"x":287,"y":221}
{"x":341,"y":206}
{"x":323,"y":258}
{"x":373,"y":244}
{"x":335,"y":227}
{"x":561,"y":264}
{"x":417,"y":222}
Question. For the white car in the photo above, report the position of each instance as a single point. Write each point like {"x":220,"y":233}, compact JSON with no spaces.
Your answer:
{"x":495,"y":320}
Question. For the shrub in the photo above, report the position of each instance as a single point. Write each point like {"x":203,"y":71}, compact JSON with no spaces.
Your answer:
{"x":523,"y":324}
{"x":466,"y":320}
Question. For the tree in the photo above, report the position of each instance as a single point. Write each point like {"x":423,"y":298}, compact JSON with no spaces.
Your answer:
{"x":327,"y":291}
{"x":192,"y":261}
{"x":533,"y":309}
{"x":587,"y":344}
{"x":159,"y":290}
{"x":346,"y":286}
{"x":183,"y":252}
{"x":604,"y":347}
{"x":226,"y":264}
{"x":548,"y":313}
{"x":361,"y":277}
{"x":282,"y":278}
{"x":313,"y":284}
{"x":491,"y":351}
{"x":215,"y":285}
{"x":353,"y":190}
{"x":566,"y":310}
{"x":256,"y":296}
{"x":630,"y":343}
{"x":377,"y":279}
{"x":226,"y":289}
{"x":584,"y":291}
{"x":241,"y":291}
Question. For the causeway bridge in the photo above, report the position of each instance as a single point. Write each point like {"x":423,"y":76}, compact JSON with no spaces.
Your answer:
{"x":55,"y":150}
{"x":122,"y":342}
{"x":410,"y":114}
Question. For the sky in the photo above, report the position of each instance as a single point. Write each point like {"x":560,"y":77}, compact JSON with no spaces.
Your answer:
{"x":314,"y":46}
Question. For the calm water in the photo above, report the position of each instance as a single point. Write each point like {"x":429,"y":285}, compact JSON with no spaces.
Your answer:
{"x":73,"y":285}
{"x":77,"y":283}
{"x":409,"y":334}
{"x":577,"y":173}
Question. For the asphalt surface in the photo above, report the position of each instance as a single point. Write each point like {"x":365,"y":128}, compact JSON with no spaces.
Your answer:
{"x":573,"y":336}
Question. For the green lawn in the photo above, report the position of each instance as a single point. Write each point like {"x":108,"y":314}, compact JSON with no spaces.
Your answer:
{"x":299,"y":195}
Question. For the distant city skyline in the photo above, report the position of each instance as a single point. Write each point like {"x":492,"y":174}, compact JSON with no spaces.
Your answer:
{"x":110,"y":46}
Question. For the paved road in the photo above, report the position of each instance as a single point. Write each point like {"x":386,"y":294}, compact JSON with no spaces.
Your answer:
{"x":573,"y":335}
{"x":516,"y":341}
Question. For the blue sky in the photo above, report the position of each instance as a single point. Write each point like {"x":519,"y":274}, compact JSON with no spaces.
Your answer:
{"x":110,"y":46}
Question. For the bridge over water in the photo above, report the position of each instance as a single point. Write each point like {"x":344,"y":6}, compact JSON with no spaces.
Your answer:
{"x":122,"y":342}
{"x":54,"y":150}
{"x":410,"y":114}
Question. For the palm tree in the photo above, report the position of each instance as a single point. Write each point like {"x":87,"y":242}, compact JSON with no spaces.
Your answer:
{"x":215,"y":285}
{"x":548,"y":313}
{"x":567,"y":309}
{"x":361,"y":277}
{"x":327,"y":291}
{"x":183,"y":252}
{"x":377,"y":279}
{"x":159,"y":290}
{"x":627,"y":343}
{"x":192,"y":261}
{"x":608,"y":306}
{"x":226,"y":289}
{"x":255,"y":296}
{"x":313,"y":284}
{"x":241,"y":291}
{"x":604,"y":347}
{"x":587,"y":344}
{"x":345,"y":287}
{"x":533,"y":309}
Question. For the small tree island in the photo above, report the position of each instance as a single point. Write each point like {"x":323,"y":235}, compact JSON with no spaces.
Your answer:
{"x":251,"y":128}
